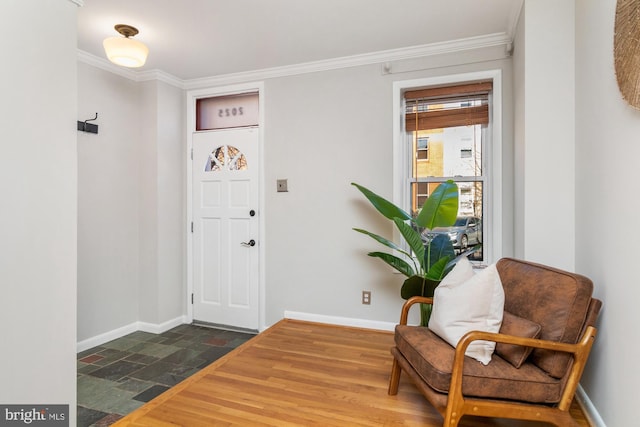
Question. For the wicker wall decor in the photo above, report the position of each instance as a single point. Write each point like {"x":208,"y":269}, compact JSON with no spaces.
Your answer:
{"x":626,"y":50}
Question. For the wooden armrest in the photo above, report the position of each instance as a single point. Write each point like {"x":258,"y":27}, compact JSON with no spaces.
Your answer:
{"x":407,"y":305}
{"x":471,"y":336}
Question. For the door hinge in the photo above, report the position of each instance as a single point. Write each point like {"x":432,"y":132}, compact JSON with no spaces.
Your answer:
{"x":192,"y":226}
{"x":192,"y":154}
{"x":192,"y":299}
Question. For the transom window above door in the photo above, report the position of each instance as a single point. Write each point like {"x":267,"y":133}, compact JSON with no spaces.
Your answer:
{"x":224,"y":112}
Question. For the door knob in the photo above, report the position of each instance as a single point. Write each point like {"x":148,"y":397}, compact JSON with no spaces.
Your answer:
{"x":252,"y":213}
{"x":249,"y":243}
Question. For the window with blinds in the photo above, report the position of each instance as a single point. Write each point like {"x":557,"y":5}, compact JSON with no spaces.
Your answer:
{"x":450,"y":106}
{"x":447,"y":129}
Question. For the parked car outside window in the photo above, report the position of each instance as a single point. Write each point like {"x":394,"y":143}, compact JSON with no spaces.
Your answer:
{"x":466,"y":231}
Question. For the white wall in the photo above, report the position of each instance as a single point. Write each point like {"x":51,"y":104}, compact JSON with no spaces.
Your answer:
{"x":607,"y":155}
{"x":161,"y":215}
{"x":38,"y":215}
{"x":147,"y":162}
{"x":545,"y":133}
{"x":171,"y":208}
{"x":108,"y":193}
{"x":323,"y":131}
{"x":131,"y":205}
{"x":519,"y":65}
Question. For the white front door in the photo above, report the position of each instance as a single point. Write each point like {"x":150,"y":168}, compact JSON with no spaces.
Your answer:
{"x":225,"y":227}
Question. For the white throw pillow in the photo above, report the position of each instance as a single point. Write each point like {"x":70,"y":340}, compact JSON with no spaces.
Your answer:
{"x":466,"y":301}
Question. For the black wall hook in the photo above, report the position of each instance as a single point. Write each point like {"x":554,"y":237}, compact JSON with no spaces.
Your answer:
{"x":88,"y":127}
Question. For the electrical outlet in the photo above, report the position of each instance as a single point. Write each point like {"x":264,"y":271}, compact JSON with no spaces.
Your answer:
{"x":366,"y":297}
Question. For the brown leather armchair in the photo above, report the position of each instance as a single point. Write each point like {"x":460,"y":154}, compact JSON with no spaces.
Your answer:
{"x":544,"y":384}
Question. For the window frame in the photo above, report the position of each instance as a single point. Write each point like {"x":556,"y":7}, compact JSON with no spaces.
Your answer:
{"x":492,"y":217}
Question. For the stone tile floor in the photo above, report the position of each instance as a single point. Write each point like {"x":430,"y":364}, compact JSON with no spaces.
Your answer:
{"x":120,"y":376}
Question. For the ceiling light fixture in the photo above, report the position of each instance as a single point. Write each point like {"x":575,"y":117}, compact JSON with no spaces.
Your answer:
{"x":125,"y":51}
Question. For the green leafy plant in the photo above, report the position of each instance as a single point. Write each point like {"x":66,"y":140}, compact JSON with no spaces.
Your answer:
{"x":424,"y":263}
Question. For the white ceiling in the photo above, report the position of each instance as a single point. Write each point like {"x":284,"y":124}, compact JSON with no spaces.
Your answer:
{"x":204,"y":38}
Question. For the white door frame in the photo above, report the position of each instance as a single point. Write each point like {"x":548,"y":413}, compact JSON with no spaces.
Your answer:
{"x":192,"y":96}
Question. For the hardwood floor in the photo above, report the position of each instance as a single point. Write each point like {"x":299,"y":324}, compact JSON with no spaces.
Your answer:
{"x":300,"y":374}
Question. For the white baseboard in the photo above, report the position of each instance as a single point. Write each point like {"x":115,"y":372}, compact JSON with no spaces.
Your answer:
{"x":342,"y":321}
{"x":162,"y":327}
{"x":106,"y":337}
{"x":590,"y":412}
{"x":127,"y":329}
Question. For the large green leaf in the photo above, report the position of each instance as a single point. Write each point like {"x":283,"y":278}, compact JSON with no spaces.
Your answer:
{"x":385,"y":207}
{"x":413,"y":238}
{"x":430,"y":287}
{"x":438,"y":248}
{"x":398,"y":263}
{"x":388,"y":243}
{"x":418,"y":286}
{"x":441,"y":208}
{"x":412,"y":287}
{"x":439,"y":269}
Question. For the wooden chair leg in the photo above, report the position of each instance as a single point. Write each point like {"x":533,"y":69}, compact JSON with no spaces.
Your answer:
{"x":394,"y":380}
{"x":454,"y":412}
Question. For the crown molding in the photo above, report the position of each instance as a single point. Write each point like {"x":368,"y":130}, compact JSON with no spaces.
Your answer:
{"x":159,"y":75}
{"x":514,"y":18}
{"x":451,"y":46}
{"x":105,"y":65}
{"x":128,"y":73}
{"x":420,"y":51}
